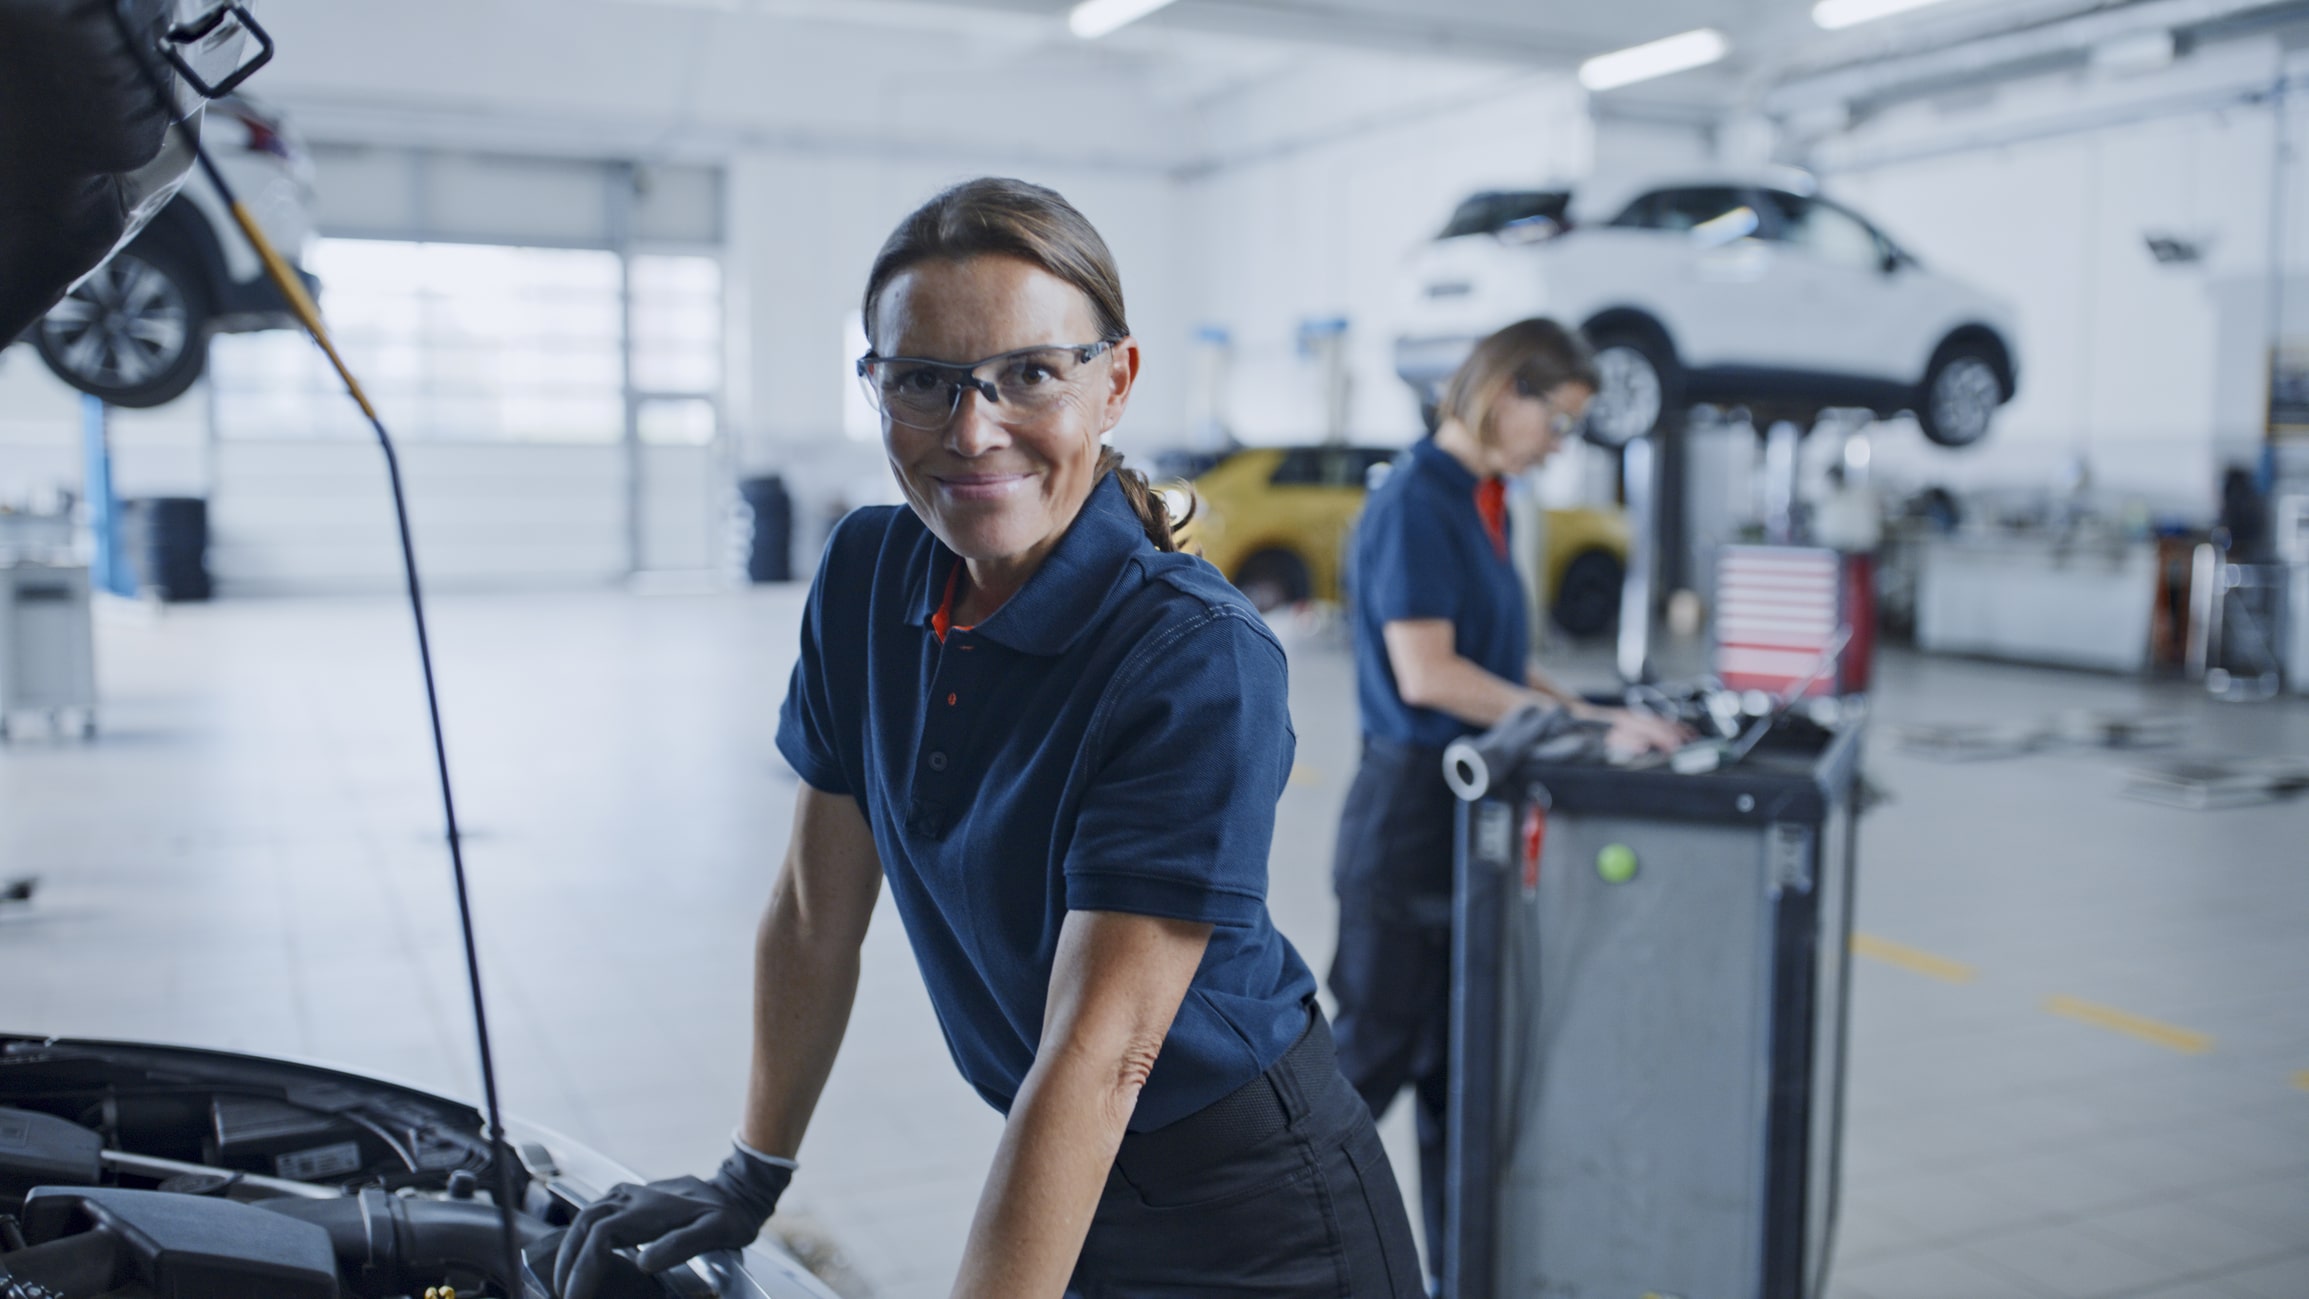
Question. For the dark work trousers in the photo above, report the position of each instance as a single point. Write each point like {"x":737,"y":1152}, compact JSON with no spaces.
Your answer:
{"x":1279,"y":1190}
{"x":1391,"y":973}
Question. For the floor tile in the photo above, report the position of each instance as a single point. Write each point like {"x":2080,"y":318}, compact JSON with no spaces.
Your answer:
{"x":2068,"y":1261}
{"x":2186,"y":1290}
{"x":2182,"y":1235}
{"x":2287,"y":1278}
{"x":1951,"y":1205}
{"x":1928,"y":1276}
{"x":2277,"y":1209}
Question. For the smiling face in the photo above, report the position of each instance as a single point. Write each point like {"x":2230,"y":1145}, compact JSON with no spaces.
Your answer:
{"x":1525,"y":431}
{"x":997,"y":489}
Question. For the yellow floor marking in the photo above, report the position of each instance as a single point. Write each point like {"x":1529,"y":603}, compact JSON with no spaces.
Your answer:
{"x":1912,"y":959}
{"x":2301,"y":1080}
{"x":1304,"y":775}
{"x":2131,"y":1025}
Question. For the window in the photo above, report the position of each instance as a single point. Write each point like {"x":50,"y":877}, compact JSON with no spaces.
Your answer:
{"x":1493,"y":213}
{"x":484,"y":343}
{"x":1326,"y":466}
{"x":1682,"y":209}
{"x":1826,"y":231}
{"x":677,"y":348}
{"x":677,"y":324}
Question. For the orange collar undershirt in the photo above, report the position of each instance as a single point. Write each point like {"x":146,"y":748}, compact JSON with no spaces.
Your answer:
{"x":942,"y":620}
{"x":1490,"y":503}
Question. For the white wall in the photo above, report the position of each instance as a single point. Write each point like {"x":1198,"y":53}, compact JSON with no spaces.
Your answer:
{"x":803,"y":229}
{"x":155,"y":453}
{"x":1326,"y":180}
{"x":2151,"y":374}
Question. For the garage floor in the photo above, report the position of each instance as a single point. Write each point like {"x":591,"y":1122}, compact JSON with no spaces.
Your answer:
{"x":2080,"y":1060}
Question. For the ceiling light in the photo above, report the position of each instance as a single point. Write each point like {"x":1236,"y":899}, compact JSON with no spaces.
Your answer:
{"x":1834,"y":14}
{"x":2142,"y":52}
{"x":1095,"y":18}
{"x":1692,"y":49}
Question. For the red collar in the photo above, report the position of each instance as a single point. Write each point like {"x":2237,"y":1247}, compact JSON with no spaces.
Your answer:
{"x":942,"y":618}
{"x":1491,"y":504}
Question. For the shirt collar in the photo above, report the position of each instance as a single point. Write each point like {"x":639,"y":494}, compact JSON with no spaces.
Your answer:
{"x":1063,"y":597}
{"x":1436,"y":460}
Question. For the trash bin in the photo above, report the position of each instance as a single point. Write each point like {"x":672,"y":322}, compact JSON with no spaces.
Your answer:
{"x":770,"y":554}
{"x":175,"y":550}
{"x":1648,"y":1009}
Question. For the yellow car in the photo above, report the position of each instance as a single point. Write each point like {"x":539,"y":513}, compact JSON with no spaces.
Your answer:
{"x":1275,"y":520}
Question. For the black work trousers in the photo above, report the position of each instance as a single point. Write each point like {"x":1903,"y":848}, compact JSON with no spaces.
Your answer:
{"x":1391,"y":972}
{"x":1278,"y":1190}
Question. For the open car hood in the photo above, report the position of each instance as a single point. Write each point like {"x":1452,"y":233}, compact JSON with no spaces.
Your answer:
{"x":87,"y":154}
{"x":133,"y":1170}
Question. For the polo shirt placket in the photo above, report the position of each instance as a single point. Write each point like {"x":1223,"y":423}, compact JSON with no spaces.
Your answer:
{"x":940,"y":777}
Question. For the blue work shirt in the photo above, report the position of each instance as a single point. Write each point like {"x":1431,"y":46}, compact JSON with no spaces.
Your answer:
{"x":1113,"y":738}
{"x":1421,"y":550}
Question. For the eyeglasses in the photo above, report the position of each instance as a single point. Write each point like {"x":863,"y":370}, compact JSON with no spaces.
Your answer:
{"x":1560,"y":423}
{"x":1030,"y":382}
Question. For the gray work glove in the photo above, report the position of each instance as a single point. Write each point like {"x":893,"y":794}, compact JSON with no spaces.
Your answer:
{"x":674,"y":1220}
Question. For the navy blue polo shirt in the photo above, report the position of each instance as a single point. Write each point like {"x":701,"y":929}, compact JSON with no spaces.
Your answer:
{"x":1113,"y":738}
{"x":1421,"y":550}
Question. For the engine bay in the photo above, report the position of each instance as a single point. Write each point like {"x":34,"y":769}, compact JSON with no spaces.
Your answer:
{"x":130,"y":1171}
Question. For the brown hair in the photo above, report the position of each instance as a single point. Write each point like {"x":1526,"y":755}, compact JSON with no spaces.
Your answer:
{"x":1535,"y":357}
{"x":996,"y":216}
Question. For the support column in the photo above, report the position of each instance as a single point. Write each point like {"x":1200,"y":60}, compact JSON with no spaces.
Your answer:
{"x":108,"y":568}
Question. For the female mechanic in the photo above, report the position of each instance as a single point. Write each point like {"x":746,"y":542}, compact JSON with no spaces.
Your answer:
{"x":1441,"y":635}
{"x":1061,"y":743}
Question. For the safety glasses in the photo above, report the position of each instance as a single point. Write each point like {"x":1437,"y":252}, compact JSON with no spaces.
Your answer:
{"x":1019,"y":386}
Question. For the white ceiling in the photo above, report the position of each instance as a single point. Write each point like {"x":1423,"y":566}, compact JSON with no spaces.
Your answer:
{"x":698,"y":77}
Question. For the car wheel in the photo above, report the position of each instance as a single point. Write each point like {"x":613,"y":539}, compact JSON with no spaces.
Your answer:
{"x":1271,"y":579}
{"x":1640,"y":385}
{"x":1587,"y":599}
{"x":134,"y":333}
{"x":1960,"y":397}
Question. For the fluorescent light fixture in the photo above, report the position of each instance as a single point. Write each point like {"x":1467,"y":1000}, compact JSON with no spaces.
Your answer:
{"x":2143,"y":52}
{"x":1835,"y":14}
{"x":1095,"y":18}
{"x":1692,"y":49}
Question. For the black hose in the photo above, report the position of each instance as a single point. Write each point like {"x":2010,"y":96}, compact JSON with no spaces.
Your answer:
{"x":293,"y":291}
{"x":392,"y":1245}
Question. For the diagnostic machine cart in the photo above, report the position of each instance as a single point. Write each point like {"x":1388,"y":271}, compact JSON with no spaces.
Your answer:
{"x":1648,"y":1009}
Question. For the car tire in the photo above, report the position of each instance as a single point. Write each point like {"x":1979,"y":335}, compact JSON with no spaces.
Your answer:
{"x":1272,"y":579}
{"x":134,"y":333}
{"x":1641,"y":386}
{"x":1960,"y":396}
{"x":1587,"y":597}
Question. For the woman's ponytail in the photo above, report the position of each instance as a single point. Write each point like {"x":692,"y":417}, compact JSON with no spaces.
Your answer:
{"x":1147,"y":503}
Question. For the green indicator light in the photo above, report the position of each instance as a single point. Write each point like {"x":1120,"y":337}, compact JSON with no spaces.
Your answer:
{"x":1616,"y":864}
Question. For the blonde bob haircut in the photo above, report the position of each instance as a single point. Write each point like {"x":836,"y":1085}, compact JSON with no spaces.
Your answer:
{"x":1530,"y":358}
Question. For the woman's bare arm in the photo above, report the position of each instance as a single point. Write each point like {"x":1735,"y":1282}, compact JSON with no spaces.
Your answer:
{"x":806,"y":965}
{"x":1114,"y":989}
{"x":1430,"y":673}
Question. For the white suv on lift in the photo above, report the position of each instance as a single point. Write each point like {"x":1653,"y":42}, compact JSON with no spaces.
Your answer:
{"x":1736,"y":290}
